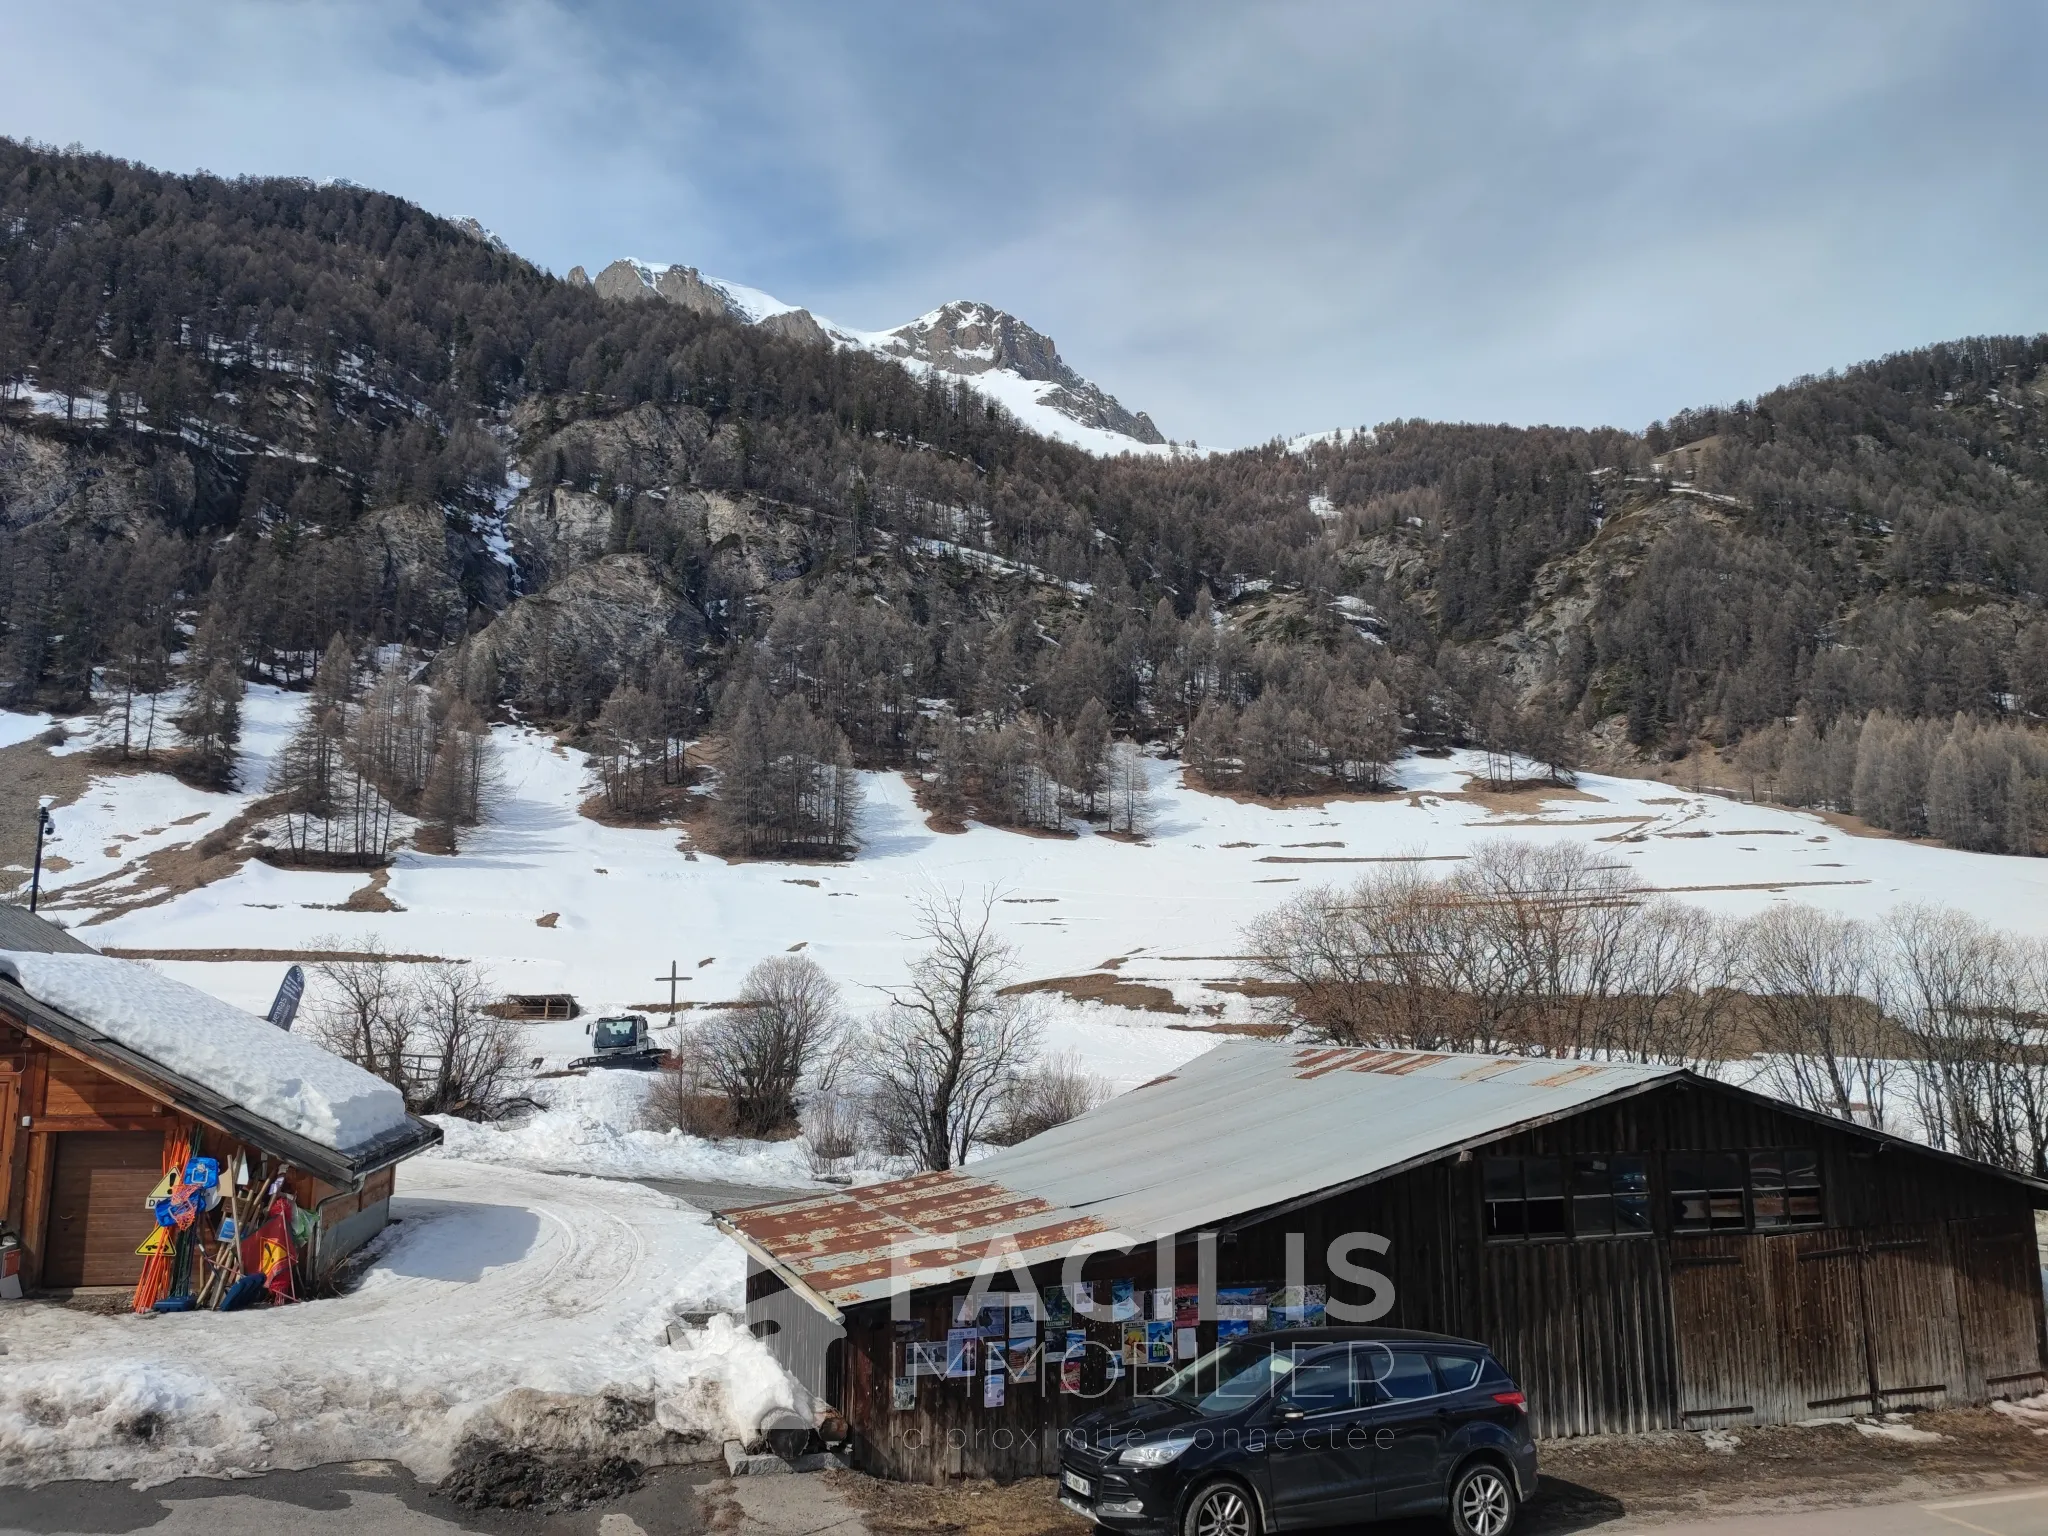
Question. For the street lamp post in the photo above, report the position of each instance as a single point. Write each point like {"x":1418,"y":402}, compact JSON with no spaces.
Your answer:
{"x":44,"y":827}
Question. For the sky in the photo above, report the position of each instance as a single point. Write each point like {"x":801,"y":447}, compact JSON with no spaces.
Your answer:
{"x":1248,"y":221}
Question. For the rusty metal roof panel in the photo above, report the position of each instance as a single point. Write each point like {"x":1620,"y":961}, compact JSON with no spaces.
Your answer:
{"x":1246,"y":1126}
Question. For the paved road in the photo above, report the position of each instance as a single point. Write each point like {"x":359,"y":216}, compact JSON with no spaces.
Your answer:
{"x":380,"y":1499}
{"x":715,"y":1196}
{"x":359,"y":1497}
{"x":2018,"y":1513}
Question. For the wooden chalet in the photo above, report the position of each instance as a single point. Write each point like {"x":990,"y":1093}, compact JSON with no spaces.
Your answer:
{"x":88,"y":1116}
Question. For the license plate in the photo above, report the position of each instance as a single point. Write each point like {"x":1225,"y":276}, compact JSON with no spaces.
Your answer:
{"x":1078,"y":1483}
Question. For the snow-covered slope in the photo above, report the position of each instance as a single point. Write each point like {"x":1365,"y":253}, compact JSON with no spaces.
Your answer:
{"x":994,"y":351}
{"x":549,"y":900}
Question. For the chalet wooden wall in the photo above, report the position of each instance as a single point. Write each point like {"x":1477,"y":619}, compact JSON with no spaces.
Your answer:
{"x":59,"y":1093}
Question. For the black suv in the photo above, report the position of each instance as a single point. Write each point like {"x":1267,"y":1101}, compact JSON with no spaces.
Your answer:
{"x":1315,"y":1426}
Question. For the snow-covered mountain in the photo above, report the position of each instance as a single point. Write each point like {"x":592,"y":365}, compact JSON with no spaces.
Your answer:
{"x":994,"y":351}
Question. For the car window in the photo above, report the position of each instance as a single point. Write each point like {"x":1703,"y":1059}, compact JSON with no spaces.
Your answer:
{"x":1408,"y":1377}
{"x":1457,"y":1371}
{"x":1321,"y":1385}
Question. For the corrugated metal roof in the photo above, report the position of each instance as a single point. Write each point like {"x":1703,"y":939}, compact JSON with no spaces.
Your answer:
{"x":1244,"y":1127}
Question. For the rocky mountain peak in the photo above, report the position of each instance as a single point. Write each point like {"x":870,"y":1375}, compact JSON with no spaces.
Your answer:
{"x":987,"y":346}
{"x":968,"y":338}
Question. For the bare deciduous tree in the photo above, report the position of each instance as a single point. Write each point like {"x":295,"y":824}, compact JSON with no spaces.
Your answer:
{"x":944,"y":1056}
{"x":472,"y":1056}
{"x":759,"y":1053}
{"x":1051,"y":1093}
{"x":1814,"y":982}
{"x":1128,"y":795}
{"x":363,"y":1009}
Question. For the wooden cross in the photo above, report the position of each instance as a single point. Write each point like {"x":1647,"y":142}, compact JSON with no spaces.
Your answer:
{"x":672,"y":978}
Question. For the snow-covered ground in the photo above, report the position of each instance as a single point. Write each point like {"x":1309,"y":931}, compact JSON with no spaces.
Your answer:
{"x":592,"y":1124}
{"x":492,"y":1280}
{"x":626,"y":904}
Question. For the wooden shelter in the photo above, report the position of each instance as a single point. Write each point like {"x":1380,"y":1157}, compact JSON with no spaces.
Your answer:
{"x":1643,"y":1247}
{"x":87,"y":1123}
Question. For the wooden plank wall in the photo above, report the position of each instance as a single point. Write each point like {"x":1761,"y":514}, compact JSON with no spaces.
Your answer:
{"x":1924,"y":1274}
{"x":61,"y":1093}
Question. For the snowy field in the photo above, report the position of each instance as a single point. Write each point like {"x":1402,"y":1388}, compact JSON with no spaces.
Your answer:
{"x":623,"y":905}
{"x":491,"y":1281}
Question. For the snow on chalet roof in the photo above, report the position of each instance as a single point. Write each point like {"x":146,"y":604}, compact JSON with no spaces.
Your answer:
{"x":276,"y":1076}
{"x":1244,"y":1127}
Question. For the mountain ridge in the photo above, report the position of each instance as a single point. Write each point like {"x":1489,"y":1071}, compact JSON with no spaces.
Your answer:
{"x":1001,"y":356}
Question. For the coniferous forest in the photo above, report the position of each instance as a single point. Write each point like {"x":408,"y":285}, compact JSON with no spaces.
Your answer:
{"x":262,"y":430}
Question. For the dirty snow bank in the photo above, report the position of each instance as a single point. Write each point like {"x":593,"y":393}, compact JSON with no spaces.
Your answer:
{"x":593,"y":1125}
{"x":504,"y":1304}
{"x":284,"y":1078}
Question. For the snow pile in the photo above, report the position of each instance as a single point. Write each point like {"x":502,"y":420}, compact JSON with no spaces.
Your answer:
{"x":723,"y":1382}
{"x":592,"y":1125}
{"x":278,"y":1076}
{"x":1894,"y":1427}
{"x":103,"y":1419}
{"x":502,"y":1305}
{"x":2032,"y":1412}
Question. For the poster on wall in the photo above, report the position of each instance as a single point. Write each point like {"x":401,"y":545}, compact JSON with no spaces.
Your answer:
{"x":905,"y":1395}
{"x":1184,"y":1343}
{"x":1023,"y":1322}
{"x":1299,"y":1306}
{"x":927,"y":1357}
{"x":1242,"y":1304}
{"x":1162,"y":1304}
{"x":1133,"y":1350}
{"x":1059,"y":1310}
{"x":992,"y":1390}
{"x":909,"y":1327}
{"x":1082,"y":1298}
{"x":1123,"y":1300}
{"x":1159,"y":1343}
{"x":1187,"y":1305}
{"x":994,"y":1322}
{"x":962,"y":1350}
{"x":1229,"y":1328}
{"x":1021,"y":1360}
{"x":1070,"y":1362}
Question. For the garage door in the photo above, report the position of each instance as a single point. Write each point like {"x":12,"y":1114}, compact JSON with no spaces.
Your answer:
{"x":97,"y":1215}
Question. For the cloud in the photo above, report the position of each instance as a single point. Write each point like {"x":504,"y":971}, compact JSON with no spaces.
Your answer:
{"x":1245,"y":220}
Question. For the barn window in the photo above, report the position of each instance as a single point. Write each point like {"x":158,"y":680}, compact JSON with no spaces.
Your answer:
{"x":1708,"y":1192}
{"x":1610,"y":1196}
{"x":1524,"y":1197}
{"x":1768,"y":1190}
{"x":1785,"y":1187}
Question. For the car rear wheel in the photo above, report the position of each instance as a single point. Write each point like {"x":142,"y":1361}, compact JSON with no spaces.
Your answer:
{"x":1483,"y":1501}
{"x":1221,"y":1509}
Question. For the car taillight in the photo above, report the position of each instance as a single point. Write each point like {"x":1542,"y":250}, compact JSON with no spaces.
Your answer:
{"x":1512,"y":1400}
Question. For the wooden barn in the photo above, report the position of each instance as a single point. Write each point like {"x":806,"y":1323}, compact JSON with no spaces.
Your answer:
{"x":105,"y":1066}
{"x":1643,"y":1247}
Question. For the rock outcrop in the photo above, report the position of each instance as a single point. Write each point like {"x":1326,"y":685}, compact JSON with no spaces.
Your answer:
{"x":581,"y":633}
{"x":679,"y":285}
